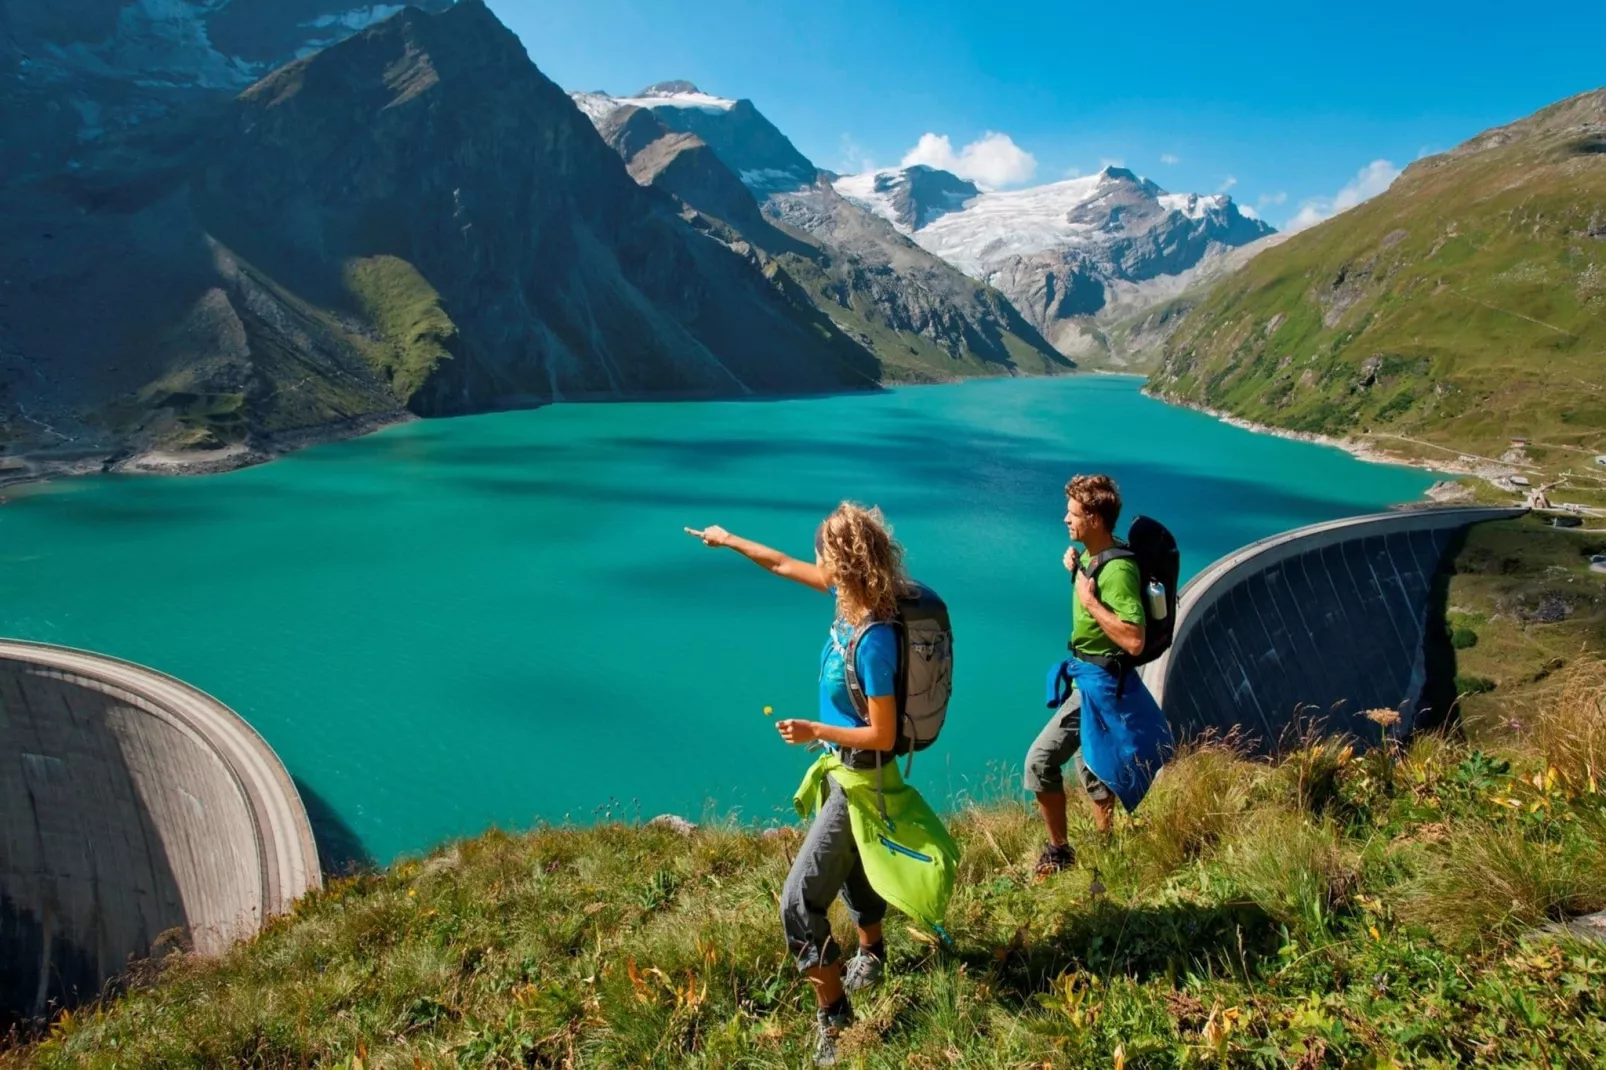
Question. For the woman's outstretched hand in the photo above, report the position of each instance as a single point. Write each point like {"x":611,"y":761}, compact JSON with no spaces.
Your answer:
{"x":796,"y":731}
{"x":712,"y":535}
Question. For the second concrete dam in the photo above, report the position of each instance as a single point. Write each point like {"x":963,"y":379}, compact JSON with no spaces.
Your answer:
{"x":1310,"y":628}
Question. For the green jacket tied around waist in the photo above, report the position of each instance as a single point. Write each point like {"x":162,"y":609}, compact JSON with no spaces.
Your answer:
{"x":908,"y":855}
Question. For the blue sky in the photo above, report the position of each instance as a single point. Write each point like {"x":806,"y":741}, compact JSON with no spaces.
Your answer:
{"x":1282,"y":107}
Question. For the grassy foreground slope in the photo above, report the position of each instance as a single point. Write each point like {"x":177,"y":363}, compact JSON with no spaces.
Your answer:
{"x":1465,"y":305}
{"x":1332,"y":910}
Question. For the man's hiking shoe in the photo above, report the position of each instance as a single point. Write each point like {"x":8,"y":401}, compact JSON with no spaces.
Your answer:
{"x":862,"y":971}
{"x":827,"y":1028}
{"x":1053,"y":859}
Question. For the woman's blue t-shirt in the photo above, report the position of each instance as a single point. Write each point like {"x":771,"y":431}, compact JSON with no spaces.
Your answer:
{"x":877,"y":665}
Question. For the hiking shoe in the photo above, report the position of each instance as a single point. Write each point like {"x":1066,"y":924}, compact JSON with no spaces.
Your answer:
{"x":1053,"y":859}
{"x":862,"y":971}
{"x":827,"y":1028}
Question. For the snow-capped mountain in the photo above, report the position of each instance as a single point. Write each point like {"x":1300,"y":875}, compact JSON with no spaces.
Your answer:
{"x":749,"y":144}
{"x":911,"y":197}
{"x":1054,"y":250}
{"x":745,"y":184}
{"x":1061,"y":253}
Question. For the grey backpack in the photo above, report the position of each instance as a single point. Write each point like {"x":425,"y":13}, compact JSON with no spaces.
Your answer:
{"x":925,"y":668}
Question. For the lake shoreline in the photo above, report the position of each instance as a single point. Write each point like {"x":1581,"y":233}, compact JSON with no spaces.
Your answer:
{"x":1359,"y":448}
{"x":42,"y":466}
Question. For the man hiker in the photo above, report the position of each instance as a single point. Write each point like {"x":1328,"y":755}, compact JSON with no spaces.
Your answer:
{"x":1107,"y":724}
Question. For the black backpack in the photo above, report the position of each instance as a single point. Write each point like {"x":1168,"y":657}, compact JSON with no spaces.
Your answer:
{"x":1159,"y":562}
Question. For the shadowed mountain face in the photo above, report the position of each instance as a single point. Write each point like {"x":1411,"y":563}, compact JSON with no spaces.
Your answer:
{"x":413,"y":218}
{"x":725,"y":162}
{"x":435,"y":141}
{"x":73,"y":72}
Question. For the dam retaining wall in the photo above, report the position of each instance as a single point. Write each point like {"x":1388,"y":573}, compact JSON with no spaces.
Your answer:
{"x":135,"y":811}
{"x":1313,"y":627}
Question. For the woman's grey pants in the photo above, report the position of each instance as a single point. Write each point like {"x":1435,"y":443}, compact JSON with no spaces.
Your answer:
{"x":826,"y":864}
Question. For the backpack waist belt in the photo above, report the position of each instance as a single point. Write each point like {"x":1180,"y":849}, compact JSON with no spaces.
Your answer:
{"x":1114,"y":664}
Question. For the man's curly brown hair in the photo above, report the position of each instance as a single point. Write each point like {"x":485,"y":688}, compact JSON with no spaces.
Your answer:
{"x":1097,"y":495}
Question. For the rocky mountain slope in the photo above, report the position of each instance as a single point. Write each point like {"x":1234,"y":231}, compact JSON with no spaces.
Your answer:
{"x":415,"y":218}
{"x":1465,"y":305}
{"x":1058,"y":251}
{"x":725,"y":162}
{"x":1139,"y":317}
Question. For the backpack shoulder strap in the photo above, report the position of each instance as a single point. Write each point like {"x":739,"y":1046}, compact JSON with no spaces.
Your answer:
{"x":1117,"y":552}
{"x":850,"y":664}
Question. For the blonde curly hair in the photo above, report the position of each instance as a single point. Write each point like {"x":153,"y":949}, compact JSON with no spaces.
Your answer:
{"x":863,"y":561}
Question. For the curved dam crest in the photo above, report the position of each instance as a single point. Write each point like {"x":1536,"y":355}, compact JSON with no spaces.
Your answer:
{"x":1315,"y":626}
{"x":136,"y":809}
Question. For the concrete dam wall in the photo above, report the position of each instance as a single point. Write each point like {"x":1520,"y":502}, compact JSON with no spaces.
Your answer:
{"x":131,"y":806}
{"x":1316,"y":625}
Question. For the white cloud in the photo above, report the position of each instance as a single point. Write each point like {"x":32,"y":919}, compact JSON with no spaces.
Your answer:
{"x":1272,"y":198}
{"x":1169,"y":158}
{"x":1248,"y":211}
{"x":1368,"y":182}
{"x":1110,"y":161}
{"x":855,"y":158}
{"x":993,"y":160}
{"x":1307,"y":217}
{"x":1227,"y":184}
{"x":1073,"y":172}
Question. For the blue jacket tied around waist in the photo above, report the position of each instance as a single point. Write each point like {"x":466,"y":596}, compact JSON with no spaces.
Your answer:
{"x":1125,"y":737}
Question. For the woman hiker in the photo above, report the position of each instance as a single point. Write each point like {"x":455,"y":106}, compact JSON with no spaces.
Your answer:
{"x":857,"y":561}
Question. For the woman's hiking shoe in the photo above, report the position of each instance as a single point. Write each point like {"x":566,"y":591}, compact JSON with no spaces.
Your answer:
{"x":827,"y":1028}
{"x":1053,"y":859}
{"x":863,"y":970}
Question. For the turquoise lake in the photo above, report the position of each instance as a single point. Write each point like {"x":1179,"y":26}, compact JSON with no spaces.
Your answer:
{"x":498,"y":619}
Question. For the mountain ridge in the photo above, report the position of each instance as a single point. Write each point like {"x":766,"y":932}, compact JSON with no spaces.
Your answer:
{"x":912,"y":309}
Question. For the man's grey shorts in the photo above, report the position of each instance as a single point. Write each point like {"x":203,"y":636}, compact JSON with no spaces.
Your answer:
{"x":1058,"y":743}
{"x":827,"y":863}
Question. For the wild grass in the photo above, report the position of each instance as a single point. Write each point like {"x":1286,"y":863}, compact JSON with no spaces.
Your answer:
{"x":1567,"y":723}
{"x":1333,"y":908}
{"x":417,"y":334}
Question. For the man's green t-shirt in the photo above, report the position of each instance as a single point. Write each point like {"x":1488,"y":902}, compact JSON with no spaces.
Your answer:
{"x":1119,"y":585}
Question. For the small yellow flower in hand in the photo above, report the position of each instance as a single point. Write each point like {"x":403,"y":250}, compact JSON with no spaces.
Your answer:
{"x":768,"y":710}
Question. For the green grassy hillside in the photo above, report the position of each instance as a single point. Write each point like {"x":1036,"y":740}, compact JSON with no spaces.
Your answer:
{"x":1335,"y":910}
{"x":1462,"y":307}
